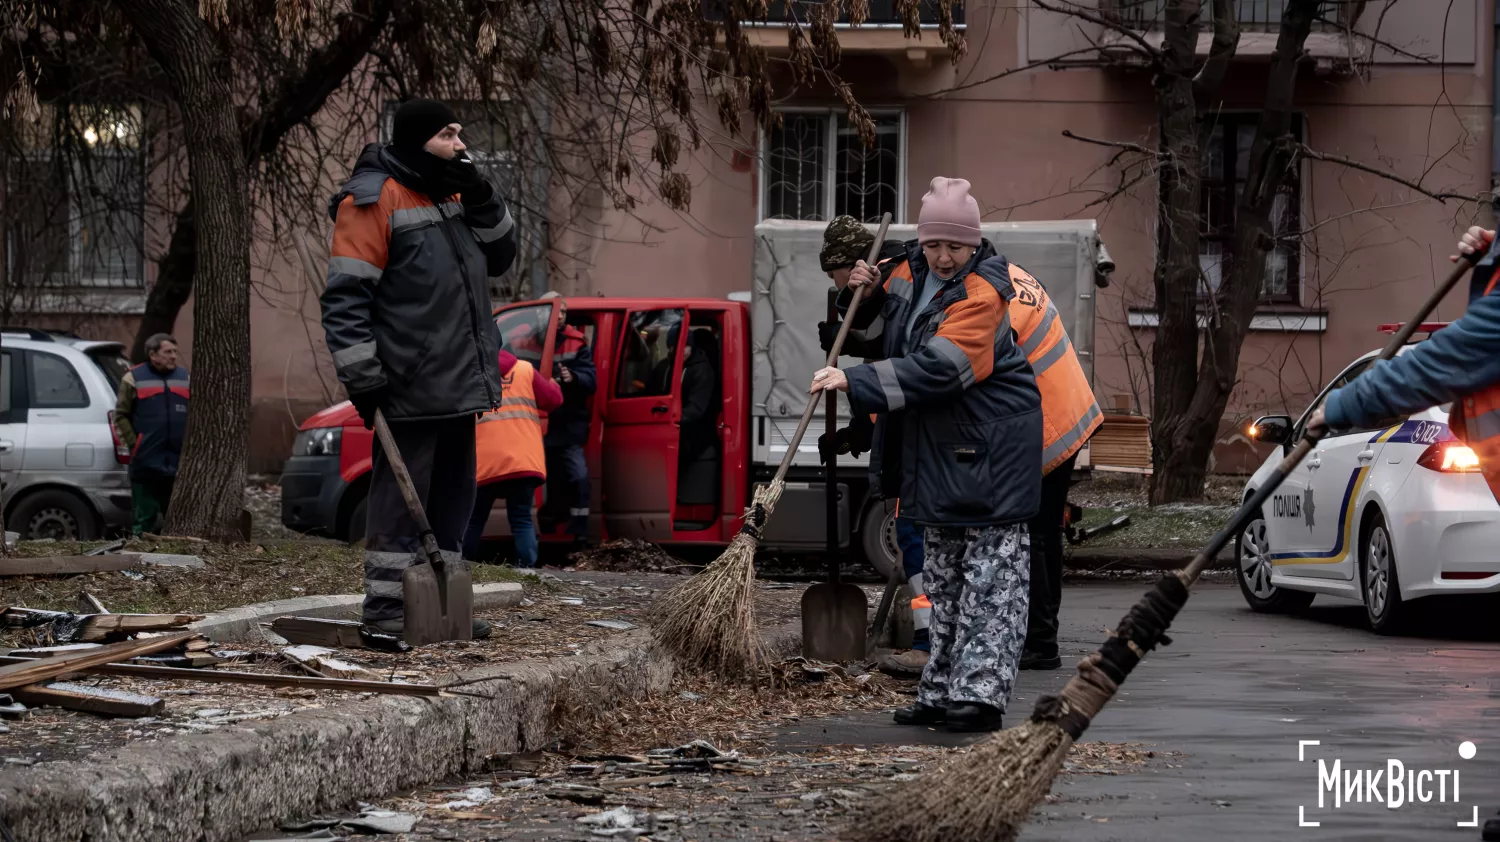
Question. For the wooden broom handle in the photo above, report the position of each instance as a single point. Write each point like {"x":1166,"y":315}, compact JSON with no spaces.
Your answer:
{"x":833,"y":356}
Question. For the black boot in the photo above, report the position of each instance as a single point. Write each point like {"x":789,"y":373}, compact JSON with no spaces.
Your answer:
{"x":1034,"y":661}
{"x":969,"y":717}
{"x":920,"y":714}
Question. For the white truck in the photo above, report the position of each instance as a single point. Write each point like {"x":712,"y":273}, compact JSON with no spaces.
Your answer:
{"x":789,"y":296}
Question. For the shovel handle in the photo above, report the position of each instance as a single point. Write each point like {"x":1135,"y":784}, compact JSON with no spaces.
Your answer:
{"x":409,"y":492}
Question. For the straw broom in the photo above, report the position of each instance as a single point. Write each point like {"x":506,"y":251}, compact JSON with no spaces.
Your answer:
{"x":708,"y":622}
{"x":987,"y":794}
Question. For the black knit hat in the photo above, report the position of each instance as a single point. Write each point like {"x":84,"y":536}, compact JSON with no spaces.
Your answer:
{"x":417,"y":121}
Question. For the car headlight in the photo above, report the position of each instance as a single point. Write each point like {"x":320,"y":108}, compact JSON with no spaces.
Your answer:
{"x":321,"y":441}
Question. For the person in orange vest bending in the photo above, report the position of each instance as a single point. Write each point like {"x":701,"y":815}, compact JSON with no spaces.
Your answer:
{"x":509,"y":460}
{"x":1070,"y":414}
{"x":1460,"y":363}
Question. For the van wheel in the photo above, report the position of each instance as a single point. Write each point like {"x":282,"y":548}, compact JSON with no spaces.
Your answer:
{"x":877,"y":537}
{"x":58,"y":515}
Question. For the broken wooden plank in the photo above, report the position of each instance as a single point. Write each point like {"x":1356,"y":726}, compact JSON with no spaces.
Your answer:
{"x":81,"y":697}
{"x":227,"y":677}
{"x":103,"y":626}
{"x":321,"y":661}
{"x":90,"y":604}
{"x":36,"y":670}
{"x":49,"y":651}
{"x":339,"y":634}
{"x":185,"y":660}
{"x":68,"y":565}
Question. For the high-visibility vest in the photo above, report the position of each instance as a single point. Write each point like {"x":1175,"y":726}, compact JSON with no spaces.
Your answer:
{"x":508,"y":440}
{"x":1476,"y":422}
{"x":1070,"y":414}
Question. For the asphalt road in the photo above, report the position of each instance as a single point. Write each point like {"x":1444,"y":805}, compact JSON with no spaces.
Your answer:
{"x":1234,"y":694}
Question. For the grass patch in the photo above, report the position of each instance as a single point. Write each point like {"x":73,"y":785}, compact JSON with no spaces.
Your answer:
{"x":235,"y":575}
{"x":1188,"y":527}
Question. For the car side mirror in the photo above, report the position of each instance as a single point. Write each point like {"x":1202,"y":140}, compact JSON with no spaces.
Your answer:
{"x":1272,"y":429}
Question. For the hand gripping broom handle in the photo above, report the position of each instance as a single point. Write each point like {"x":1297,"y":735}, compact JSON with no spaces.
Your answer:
{"x":833,"y":356}
{"x":1310,"y":438}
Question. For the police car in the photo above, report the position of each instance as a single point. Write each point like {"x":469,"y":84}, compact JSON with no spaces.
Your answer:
{"x":1385,"y":516}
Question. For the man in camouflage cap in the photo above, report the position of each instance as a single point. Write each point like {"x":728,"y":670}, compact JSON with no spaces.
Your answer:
{"x":847,"y":241}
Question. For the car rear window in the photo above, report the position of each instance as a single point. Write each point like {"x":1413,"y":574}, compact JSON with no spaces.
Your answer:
{"x":112,"y":363}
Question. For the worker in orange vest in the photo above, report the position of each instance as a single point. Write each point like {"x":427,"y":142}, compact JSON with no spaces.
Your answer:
{"x":1459,"y":363}
{"x":509,"y":460}
{"x":1070,"y":414}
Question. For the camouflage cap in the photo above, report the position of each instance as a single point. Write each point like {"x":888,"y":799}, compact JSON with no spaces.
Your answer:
{"x":845,"y":242}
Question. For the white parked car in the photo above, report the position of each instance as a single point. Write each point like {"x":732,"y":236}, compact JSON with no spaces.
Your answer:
{"x":1385,"y":516}
{"x":62,"y":468}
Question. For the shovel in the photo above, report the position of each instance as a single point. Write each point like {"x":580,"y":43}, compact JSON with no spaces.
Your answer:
{"x":835,"y":613}
{"x":439,"y":601}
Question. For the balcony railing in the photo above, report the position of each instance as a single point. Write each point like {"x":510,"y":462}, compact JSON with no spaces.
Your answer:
{"x":1253,"y":15}
{"x":882,"y":13}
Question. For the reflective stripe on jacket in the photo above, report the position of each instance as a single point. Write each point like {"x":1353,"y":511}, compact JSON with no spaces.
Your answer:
{"x":508,"y":440}
{"x":958,"y":399}
{"x":1475,"y":420}
{"x":158,"y":418}
{"x":1070,"y":414}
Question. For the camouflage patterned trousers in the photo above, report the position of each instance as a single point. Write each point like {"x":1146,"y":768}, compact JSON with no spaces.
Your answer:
{"x":978,"y":581}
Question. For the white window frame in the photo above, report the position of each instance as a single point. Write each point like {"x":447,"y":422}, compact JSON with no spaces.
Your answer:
{"x":830,"y":165}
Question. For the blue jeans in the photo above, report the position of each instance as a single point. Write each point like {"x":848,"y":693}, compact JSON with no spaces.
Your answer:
{"x":913,"y":551}
{"x":519,"y":494}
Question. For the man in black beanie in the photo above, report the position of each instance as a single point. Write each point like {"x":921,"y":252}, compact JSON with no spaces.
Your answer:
{"x":417,"y":233}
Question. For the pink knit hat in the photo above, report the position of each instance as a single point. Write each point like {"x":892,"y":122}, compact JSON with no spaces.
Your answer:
{"x":949,"y":214}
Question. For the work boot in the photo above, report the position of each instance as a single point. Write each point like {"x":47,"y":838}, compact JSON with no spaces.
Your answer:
{"x":907,"y":663}
{"x":1033,"y":661}
{"x":969,"y":717}
{"x":397,"y":626}
{"x":920,"y":714}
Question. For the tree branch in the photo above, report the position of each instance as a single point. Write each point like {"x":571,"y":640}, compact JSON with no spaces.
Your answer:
{"x":1304,"y":151}
{"x":1115,"y":144}
{"x":1084,"y":15}
{"x":1226,"y":42}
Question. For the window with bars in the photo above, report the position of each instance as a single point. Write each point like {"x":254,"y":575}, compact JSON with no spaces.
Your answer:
{"x":1226,"y":163}
{"x":75,"y":192}
{"x":815,"y":168}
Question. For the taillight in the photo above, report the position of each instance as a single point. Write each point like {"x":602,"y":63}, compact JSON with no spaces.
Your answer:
{"x":122,"y":453}
{"x":1450,"y":457}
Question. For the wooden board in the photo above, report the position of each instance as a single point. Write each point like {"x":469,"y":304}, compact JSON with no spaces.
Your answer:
{"x":227,"y":677}
{"x":34,"y":671}
{"x":339,"y":634}
{"x":320,"y":661}
{"x":68,"y":565}
{"x":100,"y":700}
{"x":103,"y":626}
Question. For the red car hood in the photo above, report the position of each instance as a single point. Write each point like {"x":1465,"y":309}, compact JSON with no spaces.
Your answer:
{"x":338,"y":415}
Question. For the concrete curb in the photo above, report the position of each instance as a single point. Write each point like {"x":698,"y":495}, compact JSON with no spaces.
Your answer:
{"x":1101,"y":559}
{"x":244,"y":622}
{"x":222,"y":786}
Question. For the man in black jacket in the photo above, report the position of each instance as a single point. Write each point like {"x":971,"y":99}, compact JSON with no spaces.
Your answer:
{"x":417,"y":232}
{"x":568,"y":426}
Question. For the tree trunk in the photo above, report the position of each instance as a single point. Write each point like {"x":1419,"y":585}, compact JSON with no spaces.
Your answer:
{"x":298,"y":97}
{"x":209,"y":494}
{"x":1188,"y":413}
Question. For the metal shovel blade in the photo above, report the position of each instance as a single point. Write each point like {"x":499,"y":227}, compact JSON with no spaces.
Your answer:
{"x":834,"y":620}
{"x":428,"y":592}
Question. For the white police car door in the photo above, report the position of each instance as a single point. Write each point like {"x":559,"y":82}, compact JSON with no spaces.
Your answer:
{"x":1311,"y":517}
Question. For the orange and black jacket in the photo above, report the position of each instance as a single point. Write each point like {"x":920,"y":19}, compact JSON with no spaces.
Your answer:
{"x":960,"y":432}
{"x":407,"y":304}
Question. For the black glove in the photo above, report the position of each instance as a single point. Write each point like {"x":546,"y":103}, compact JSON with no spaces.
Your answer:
{"x":366,"y":402}
{"x":461,"y":176}
{"x":827,"y":332}
{"x":853,"y":440}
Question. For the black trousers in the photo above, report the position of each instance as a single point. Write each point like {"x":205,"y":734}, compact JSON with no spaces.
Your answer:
{"x":1047,"y":561}
{"x":439,"y":455}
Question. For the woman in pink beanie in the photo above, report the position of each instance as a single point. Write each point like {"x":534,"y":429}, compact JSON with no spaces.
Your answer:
{"x":960,"y":444}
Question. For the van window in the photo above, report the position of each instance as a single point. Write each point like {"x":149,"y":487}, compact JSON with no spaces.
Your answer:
{"x":523,"y":331}
{"x":54,"y":383}
{"x":650,"y":354}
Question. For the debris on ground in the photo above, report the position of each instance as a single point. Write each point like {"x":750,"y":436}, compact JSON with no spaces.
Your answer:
{"x":626,"y":555}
